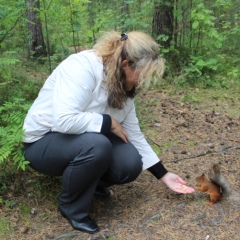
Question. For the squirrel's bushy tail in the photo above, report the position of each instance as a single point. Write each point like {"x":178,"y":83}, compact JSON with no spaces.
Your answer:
{"x":216,"y":176}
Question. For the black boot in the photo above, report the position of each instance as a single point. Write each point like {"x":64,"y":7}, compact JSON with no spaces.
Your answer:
{"x":85,"y":225}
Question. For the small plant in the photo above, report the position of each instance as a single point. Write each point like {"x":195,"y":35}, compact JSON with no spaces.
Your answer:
{"x":190,"y":97}
{"x":11,"y":118}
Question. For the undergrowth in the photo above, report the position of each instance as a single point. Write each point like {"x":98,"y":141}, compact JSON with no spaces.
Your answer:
{"x":12,"y":115}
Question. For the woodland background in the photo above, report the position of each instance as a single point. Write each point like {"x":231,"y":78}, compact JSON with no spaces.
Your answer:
{"x":198,"y":39}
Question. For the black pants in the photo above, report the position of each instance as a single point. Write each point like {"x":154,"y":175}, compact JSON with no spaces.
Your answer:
{"x":84,"y":161}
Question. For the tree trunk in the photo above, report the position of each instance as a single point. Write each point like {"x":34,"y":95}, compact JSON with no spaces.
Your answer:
{"x":124,"y":14}
{"x":163,"y":22}
{"x":36,"y":45}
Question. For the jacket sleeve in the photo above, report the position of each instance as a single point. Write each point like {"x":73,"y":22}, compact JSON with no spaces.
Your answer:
{"x":158,"y":170}
{"x":136,"y":137}
{"x":74,"y":82}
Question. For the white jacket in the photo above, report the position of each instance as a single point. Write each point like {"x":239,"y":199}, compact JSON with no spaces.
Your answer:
{"x":72,"y":100}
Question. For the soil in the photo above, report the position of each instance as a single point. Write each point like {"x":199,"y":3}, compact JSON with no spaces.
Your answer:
{"x":189,"y":137}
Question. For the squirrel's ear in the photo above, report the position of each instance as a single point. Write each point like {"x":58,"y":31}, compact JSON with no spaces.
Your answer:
{"x":203,"y":175}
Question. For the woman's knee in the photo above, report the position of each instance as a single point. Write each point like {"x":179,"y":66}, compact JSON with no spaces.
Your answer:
{"x":98,"y":150}
{"x":125,"y":171}
{"x":133,"y":168}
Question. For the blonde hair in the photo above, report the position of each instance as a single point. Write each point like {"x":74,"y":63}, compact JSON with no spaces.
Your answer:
{"x":141,"y":51}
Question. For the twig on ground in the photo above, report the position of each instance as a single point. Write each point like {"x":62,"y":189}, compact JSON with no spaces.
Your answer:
{"x":68,"y":235}
{"x":205,"y":153}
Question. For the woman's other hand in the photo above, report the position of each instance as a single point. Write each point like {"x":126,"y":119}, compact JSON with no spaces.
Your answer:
{"x":118,"y":130}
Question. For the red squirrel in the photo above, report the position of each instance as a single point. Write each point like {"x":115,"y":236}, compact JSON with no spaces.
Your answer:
{"x":216,"y":186}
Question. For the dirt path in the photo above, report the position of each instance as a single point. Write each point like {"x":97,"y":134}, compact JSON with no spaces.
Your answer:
{"x":189,"y":138}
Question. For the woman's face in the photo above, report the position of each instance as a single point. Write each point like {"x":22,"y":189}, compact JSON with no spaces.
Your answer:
{"x":132,"y":77}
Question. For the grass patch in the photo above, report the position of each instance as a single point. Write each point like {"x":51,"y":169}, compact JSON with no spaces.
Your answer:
{"x":159,"y":149}
{"x":215,"y":99}
{"x":191,"y":143}
{"x":25,"y":210}
{"x":5,"y":228}
{"x":234,"y":112}
{"x":156,"y":149}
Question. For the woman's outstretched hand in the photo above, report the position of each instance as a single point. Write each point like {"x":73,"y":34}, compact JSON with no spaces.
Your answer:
{"x":175,"y":183}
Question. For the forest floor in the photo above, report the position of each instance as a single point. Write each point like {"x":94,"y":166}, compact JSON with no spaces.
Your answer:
{"x":189,"y":131}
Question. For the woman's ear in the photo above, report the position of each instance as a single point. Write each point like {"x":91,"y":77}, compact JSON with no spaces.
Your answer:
{"x":124,"y":63}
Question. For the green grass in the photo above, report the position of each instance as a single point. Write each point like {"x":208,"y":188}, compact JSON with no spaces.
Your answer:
{"x":5,"y":228}
{"x":190,"y":143}
{"x":156,"y":149}
{"x":25,"y":210}
{"x":211,"y":98}
{"x":234,"y":112}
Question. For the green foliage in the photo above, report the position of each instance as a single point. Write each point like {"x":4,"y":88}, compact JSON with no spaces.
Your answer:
{"x":12,"y":115}
{"x":199,"y":54}
{"x":9,"y":16}
{"x":17,"y":79}
{"x":204,"y":30}
{"x":206,"y":42}
{"x":7,"y":63}
{"x":8,"y":60}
